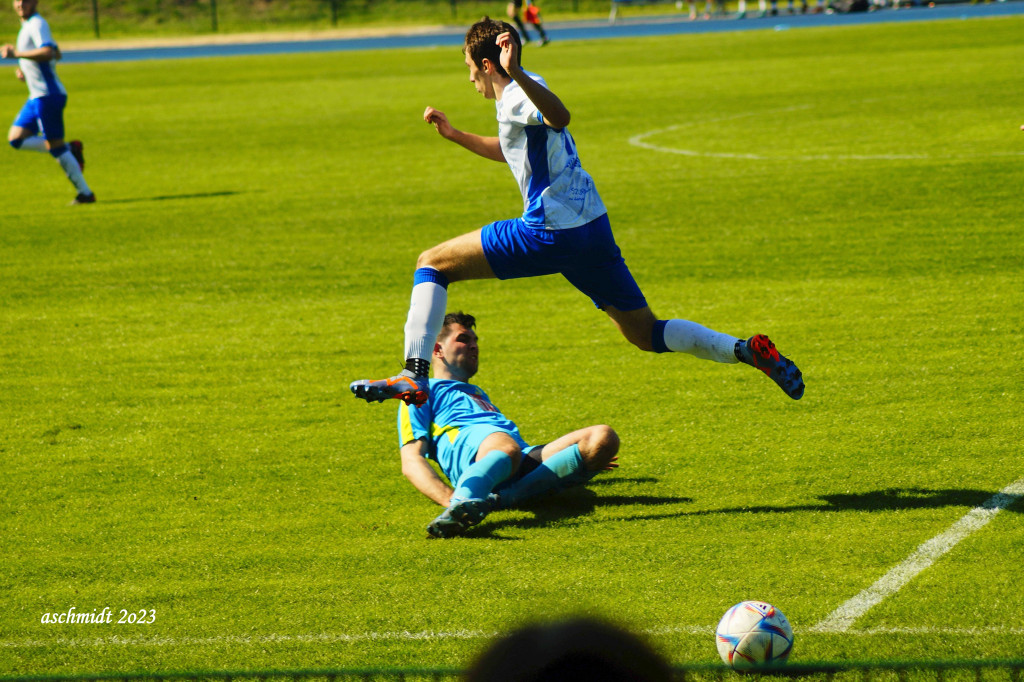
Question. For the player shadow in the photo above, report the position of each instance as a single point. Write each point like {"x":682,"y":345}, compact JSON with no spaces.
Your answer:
{"x":890,"y":499}
{"x":169,"y":197}
{"x":575,"y":503}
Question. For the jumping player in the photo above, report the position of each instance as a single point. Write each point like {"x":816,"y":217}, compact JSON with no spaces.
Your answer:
{"x":564,"y":229}
{"x":39,"y":125}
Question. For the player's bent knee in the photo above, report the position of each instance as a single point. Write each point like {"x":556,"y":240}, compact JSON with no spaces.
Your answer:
{"x":607,"y":438}
{"x":599,"y":446}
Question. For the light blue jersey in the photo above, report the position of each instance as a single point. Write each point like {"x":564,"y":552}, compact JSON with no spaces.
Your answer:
{"x":557,"y":193}
{"x":454,"y":420}
{"x":41,"y":77}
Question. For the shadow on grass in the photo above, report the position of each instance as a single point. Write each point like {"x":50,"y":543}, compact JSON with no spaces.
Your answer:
{"x":890,"y":499}
{"x":572,"y":504}
{"x":169,"y":197}
{"x":579,"y":502}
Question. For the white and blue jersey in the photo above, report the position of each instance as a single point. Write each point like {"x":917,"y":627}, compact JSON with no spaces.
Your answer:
{"x":557,"y":193}
{"x":455,"y":420}
{"x":41,"y":77}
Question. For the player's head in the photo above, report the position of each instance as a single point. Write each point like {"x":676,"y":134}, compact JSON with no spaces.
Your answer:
{"x":25,"y":8}
{"x":481,"y":43}
{"x":456,"y":353}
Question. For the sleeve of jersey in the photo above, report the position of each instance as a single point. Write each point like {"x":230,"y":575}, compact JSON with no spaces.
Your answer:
{"x":413,"y":423}
{"x":520,"y":110}
{"x":43,"y":37}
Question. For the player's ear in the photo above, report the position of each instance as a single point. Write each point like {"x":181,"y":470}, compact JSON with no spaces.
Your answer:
{"x":437,"y":351}
{"x":488,"y":66}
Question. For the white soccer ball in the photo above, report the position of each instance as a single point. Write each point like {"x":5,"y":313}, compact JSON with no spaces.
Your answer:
{"x":753,"y":635}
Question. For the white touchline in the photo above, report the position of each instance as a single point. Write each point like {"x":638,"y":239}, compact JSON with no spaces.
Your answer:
{"x":341,"y":638}
{"x":924,"y":556}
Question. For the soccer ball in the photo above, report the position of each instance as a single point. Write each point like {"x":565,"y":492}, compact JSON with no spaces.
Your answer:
{"x":753,"y":635}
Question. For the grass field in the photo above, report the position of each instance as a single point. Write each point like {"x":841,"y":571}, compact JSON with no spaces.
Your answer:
{"x":175,"y":426}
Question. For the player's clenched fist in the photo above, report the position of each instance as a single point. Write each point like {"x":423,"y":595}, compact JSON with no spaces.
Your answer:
{"x":440,"y":121}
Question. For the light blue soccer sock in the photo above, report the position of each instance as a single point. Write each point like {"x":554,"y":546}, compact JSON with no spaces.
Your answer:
{"x":481,"y":477}
{"x":561,"y":470}
{"x":683,"y":336}
{"x":426,"y":313}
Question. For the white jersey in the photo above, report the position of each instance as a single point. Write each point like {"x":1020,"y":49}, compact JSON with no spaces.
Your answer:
{"x":557,"y":193}
{"x":41,"y":77}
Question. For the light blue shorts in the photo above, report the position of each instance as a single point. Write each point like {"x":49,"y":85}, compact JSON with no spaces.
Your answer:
{"x":467,"y":446}
{"x":587,"y":256}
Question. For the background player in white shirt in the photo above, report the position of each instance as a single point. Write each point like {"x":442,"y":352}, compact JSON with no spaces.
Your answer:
{"x":39,"y":125}
{"x":564,"y":229}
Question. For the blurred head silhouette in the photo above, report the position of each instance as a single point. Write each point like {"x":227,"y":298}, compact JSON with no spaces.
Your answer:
{"x":578,"y":649}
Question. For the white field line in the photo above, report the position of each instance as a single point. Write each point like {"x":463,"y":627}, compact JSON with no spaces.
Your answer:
{"x":640,"y":140}
{"x":326,"y":638}
{"x":924,"y":556}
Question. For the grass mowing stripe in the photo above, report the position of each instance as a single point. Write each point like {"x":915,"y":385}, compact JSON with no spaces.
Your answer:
{"x":924,"y":556}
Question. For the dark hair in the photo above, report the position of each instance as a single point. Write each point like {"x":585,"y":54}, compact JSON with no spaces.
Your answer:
{"x":465,"y":319}
{"x":481,"y":43}
{"x":566,"y":651}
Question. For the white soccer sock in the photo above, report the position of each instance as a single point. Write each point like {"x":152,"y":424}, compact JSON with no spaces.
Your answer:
{"x":71,"y":168}
{"x":34,"y":144}
{"x":426,"y":316}
{"x":683,"y":336}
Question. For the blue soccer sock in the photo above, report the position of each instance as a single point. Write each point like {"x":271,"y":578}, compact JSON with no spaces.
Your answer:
{"x":562,"y":470}
{"x":481,"y":477}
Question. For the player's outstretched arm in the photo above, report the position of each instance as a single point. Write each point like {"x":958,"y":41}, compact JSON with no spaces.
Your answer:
{"x":39,"y":54}
{"x":556,"y":115}
{"x":417,"y":469}
{"x":487,"y":147}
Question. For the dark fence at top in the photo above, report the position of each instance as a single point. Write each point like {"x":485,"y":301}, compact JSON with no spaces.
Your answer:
{"x":110,"y":18}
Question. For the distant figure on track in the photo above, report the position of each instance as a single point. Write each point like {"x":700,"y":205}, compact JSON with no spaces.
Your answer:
{"x":39,"y":125}
{"x":564,"y":229}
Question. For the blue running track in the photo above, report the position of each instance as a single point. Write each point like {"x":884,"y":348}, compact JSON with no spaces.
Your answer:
{"x":589,"y":30}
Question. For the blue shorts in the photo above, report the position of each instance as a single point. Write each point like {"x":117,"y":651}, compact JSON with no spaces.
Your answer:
{"x":44,"y":114}
{"x":587,"y":256}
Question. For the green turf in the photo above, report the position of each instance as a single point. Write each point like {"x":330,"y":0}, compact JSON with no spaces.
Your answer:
{"x":177,"y":434}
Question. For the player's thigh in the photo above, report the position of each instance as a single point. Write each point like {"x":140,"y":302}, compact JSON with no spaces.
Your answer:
{"x":499,"y":440}
{"x":459,"y":258}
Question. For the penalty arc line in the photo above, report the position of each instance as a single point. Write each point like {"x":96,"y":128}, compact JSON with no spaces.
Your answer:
{"x":924,"y":556}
